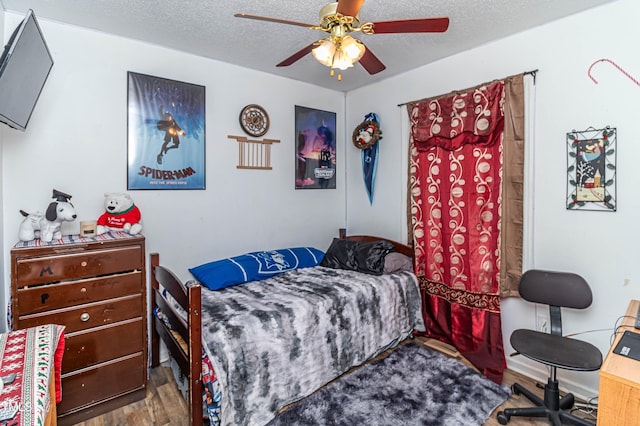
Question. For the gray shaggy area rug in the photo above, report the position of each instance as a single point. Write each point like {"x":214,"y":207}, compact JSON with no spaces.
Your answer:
{"x":414,"y":385}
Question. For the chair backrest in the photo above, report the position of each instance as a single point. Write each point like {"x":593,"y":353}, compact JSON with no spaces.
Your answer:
{"x":562,"y":289}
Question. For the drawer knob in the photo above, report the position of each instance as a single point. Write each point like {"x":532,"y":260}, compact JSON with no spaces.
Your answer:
{"x":84,"y":263}
{"x":83,"y":290}
{"x":85,"y":317}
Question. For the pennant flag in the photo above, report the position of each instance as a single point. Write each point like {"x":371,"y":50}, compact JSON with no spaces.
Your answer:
{"x":369,"y":165}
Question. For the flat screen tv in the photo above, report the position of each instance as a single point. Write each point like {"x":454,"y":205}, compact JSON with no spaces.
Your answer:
{"x":24,"y":68}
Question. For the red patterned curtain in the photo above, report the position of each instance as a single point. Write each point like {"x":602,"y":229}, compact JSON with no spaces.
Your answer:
{"x":455,"y":209}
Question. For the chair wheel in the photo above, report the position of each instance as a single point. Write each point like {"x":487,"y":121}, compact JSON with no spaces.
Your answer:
{"x":514,"y":390}
{"x":503,"y":419}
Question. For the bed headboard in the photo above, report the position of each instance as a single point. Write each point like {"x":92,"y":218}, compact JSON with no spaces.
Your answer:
{"x":405,"y":249}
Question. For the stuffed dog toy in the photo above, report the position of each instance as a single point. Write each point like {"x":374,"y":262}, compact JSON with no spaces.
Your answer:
{"x":47,"y":226}
{"x":121,"y":214}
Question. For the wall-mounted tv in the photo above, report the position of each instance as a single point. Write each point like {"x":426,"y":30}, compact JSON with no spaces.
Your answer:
{"x":24,"y":68}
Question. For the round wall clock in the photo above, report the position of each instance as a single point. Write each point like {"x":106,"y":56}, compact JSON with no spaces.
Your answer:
{"x":254,"y":120}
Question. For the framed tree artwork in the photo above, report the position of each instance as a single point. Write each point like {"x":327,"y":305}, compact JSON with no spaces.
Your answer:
{"x":591,"y":169}
{"x":315,"y":133}
{"x":165,"y":133}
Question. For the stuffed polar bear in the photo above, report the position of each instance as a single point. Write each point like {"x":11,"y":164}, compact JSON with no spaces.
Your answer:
{"x":121,"y":214}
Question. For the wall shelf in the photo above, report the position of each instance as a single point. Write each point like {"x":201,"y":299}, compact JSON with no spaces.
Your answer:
{"x":254,"y":154}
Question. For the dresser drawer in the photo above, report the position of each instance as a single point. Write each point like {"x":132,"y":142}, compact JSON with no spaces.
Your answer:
{"x":67,"y":294}
{"x":90,"y":347}
{"x":75,"y":265}
{"x":92,"y":385}
{"x":90,"y":315}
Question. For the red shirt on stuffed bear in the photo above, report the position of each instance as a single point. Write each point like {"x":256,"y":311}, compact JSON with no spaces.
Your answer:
{"x":118,"y":220}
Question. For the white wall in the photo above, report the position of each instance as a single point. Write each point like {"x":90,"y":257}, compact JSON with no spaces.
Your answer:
{"x":4,"y":39}
{"x":599,"y":245}
{"x":385,"y":215}
{"x":77,"y":139}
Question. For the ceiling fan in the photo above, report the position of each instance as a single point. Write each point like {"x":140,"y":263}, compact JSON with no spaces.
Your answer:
{"x":340,"y":50}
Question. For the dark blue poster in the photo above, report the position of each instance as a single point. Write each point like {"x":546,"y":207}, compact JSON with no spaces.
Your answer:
{"x":166,"y":134}
{"x":316,"y":149}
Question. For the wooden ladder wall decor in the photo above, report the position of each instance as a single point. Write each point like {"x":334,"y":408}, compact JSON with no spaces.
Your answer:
{"x":254,"y":154}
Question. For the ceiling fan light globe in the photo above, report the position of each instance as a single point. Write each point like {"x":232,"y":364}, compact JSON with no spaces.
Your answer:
{"x":324,"y":52}
{"x":353,"y":48}
{"x":341,"y":61}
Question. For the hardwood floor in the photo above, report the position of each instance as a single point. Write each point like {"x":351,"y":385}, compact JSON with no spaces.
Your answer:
{"x":164,"y":404}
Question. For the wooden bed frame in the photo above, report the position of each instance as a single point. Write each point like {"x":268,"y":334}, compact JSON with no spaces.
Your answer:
{"x":184,"y":339}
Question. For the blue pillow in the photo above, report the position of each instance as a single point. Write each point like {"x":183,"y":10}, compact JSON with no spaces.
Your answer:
{"x":255,"y":266}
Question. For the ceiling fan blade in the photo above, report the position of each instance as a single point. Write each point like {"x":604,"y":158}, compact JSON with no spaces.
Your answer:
{"x":298,"y":55}
{"x":279,"y":21}
{"x":424,"y":25}
{"x":349,"y":7}
{"x":371,"y":63}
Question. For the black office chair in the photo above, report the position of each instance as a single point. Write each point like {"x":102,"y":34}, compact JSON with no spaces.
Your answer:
{"x":558,"y":290}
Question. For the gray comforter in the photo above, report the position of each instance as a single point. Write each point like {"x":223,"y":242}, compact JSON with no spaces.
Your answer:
{"x":276,"y":341}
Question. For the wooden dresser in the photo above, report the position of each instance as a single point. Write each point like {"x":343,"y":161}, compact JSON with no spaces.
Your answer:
{"x":619,"y":396}
{"x":96,"y":288}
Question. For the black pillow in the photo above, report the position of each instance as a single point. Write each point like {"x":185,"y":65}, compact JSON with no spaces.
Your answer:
{"x":341,"y":254}
{"x":357,"y":256}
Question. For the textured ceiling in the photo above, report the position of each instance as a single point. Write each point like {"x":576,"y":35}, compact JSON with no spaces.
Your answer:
{"x":208,"y":28}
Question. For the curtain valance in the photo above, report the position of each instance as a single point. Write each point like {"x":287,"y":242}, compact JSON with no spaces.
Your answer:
{"x":471,"y":117}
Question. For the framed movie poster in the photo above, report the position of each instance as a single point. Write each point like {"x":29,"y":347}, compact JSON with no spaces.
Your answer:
{"x":166,"y":134}
{"x":316,"y":149}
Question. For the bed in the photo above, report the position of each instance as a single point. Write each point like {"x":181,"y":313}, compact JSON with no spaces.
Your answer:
{"x":275,"y":341}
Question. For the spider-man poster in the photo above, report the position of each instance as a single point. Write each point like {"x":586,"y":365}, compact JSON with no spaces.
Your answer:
{"x":166,"y":134}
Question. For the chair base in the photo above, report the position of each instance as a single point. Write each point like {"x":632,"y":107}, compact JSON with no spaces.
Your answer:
{"x":551,"y":407}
